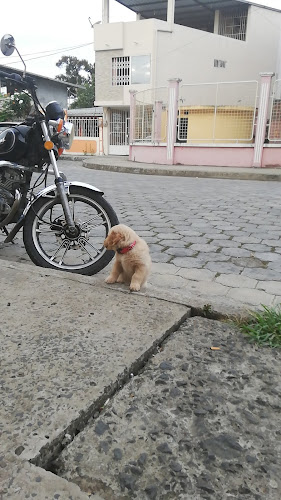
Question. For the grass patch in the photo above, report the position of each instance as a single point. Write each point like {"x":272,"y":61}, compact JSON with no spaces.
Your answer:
{"x":264,"y":327}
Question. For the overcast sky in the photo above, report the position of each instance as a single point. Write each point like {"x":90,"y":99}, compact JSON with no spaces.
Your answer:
{"x":42,"y":28}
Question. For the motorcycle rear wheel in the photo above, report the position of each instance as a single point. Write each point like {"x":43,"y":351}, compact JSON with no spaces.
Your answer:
{"x":49,"y":243}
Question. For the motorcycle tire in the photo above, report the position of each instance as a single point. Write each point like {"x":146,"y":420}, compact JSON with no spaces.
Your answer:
{"x":49,"y":243}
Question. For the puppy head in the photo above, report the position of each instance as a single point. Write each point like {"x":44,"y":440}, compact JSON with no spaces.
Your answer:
{"x":115,"y":239}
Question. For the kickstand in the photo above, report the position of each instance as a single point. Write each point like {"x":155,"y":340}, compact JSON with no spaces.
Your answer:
{"x":5,"y":230}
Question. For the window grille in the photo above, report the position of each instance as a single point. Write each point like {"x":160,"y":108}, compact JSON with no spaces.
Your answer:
{"x":219,"y":64}
{"x":121,"y":71}
{"x":233,"y":24}
{"x":85,"y":126}
{"x":182,"y":127}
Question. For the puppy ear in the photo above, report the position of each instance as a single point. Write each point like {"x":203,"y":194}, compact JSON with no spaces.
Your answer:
{"x":116,"y":237}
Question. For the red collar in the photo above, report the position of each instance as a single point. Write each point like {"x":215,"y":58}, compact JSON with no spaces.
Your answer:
{"x":126,"y":249}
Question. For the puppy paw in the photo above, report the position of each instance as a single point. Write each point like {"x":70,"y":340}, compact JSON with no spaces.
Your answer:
{"x":110,"y":279}
{"x":120,"y":279}
{"x":134,"y":287}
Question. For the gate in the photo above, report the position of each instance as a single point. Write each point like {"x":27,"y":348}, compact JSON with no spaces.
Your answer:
{"x":119,"y":132}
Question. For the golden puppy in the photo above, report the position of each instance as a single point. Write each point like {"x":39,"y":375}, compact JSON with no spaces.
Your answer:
{"x":132,"y":260}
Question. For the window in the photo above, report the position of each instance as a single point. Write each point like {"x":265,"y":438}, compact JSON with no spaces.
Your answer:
{"x":140,"y":69}
{"x":120,"y":71}
{"x":219,"y":64}
{"x":130,"y":70}
{"x":234,"y":23}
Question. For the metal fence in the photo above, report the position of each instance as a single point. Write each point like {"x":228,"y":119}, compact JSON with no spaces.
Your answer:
{"x":217,"y":112}
{"x":274,"y":130}
{"x":151,"y":115}
{"x":85,"y":126}
{"x":207,"y":113}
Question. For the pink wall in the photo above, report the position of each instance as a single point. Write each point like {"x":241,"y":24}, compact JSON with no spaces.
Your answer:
{"x":271,"y":157}
{"x":206,"y":156}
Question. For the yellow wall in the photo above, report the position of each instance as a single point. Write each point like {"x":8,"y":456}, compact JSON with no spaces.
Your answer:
{"x":227,"y":125}
{"x":85,"y":146}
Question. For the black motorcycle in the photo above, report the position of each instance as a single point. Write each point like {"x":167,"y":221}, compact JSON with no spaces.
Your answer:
{"x":64,"y":225}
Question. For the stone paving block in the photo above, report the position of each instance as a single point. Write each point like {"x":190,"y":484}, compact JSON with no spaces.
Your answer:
{"x":179,"y":252}
{"x":197,"y":274}
{"x":197,"y":247}
{"x":272,"y":287}
{"x":165,"y":281}
{"x":189,"y":262}
{"x":236,"y":252}
{"x":251,"y":297}
{"x":262,"y":274}
{"x":217,"y":236}
{"x":237,"y":281}
{"x":256,"y":247}
{"x":163,"y":268}
{"x":224,"y":267}
{"x":225,"y":243}
{"x":272,"y":243}
{"x":160,"y":257}
{"x":247,"y":239}
{"x":168,"y":236}
{"x":207,"y":288}
{"x":268,"y":256}
{"x":174,"y":243}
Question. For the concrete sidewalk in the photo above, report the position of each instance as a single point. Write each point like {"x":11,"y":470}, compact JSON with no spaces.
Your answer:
{"x":122,"y":164}
{"x":107,"y":395}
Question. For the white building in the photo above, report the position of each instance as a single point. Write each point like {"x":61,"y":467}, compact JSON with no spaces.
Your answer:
{"x":197,"y":42}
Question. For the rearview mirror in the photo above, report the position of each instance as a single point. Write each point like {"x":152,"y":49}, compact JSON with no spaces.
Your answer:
{"x":7,"y":45}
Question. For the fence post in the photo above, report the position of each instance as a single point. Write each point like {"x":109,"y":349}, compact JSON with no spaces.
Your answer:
{"x":157,"y":121}
{"x":262,"y":117}
{"x":132,"y":120}
{"x":172,"y":118}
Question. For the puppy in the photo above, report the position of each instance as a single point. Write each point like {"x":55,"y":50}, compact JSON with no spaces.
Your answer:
{"x":132,"y":260}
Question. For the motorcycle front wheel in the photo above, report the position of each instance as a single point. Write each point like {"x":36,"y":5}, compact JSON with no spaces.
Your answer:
{"x":49,"y":243}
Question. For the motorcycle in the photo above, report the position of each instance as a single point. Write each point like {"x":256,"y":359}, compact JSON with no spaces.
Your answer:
{"x":64,"y":225}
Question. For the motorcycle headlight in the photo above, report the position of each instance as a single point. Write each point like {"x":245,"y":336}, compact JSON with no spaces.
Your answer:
{"x":67,"y":135}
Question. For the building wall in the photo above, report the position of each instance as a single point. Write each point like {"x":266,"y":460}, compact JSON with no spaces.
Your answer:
{"x":51,"y":91}
{"x":117,"y":40}
{"x":189,"y":54}
{"x":186,"y":53}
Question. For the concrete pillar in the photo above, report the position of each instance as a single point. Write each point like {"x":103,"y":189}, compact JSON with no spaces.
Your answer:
{"x":157,"y":120}
{"x":265,"y":85}
{"x":216,"y":22}
{"x":171,"y":13}
{"x":105,"y":11}
{"x":132,"y":120}
{"x":172,"y":118}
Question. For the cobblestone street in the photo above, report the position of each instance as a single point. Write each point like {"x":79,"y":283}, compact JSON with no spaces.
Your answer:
{"x":211,"y":237}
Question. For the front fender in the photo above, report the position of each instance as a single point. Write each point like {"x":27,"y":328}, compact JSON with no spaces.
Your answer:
{"x":51,"y":191}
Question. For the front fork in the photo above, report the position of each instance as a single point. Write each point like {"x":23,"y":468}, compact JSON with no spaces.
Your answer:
{"x":59,"y":184}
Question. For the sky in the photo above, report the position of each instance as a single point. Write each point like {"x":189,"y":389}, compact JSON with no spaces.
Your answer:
{"x":60,"y":31}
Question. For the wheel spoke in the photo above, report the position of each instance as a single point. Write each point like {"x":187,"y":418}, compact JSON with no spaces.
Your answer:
{"x":57,"y":251}
{"x":84,"y":242}
{"x":67,"y":246}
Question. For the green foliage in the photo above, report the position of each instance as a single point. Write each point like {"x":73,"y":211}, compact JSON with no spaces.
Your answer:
{"x":264,"y":327}
{"x":85,"y":98}
{"x":16,"y":106}
{"x":81,"y":72}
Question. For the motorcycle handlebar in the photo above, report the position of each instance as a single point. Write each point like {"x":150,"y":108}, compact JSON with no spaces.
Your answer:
{"x":26,"y":82}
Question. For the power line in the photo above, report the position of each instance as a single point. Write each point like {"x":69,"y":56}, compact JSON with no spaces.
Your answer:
{"x":47,"y":51}
{"x":48,"y":55}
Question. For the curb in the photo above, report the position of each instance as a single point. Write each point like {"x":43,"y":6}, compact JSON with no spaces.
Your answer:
{"x":174,"y":172}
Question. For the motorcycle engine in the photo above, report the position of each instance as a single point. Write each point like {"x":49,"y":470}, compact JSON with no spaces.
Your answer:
{"x":11,"y":178}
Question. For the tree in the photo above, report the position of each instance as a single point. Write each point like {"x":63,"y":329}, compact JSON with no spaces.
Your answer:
{"x":17,"y":106}
{"x":81,"y":72}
